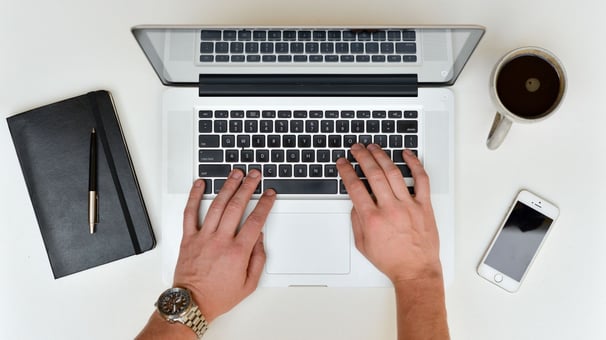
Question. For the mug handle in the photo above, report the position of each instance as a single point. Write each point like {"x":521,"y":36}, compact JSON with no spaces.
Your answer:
{"x":498,"y":131}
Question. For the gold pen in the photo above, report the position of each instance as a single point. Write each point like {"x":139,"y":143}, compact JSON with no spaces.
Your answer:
{"x":92,"y":183}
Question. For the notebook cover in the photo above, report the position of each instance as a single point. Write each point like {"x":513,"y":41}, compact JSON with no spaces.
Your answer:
{"x":52,"y":144}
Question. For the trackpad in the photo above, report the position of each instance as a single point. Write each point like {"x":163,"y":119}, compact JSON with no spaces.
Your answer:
{"x":308,"y":243}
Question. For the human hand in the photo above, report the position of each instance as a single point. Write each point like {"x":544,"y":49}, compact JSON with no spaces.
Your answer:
{"x":219,"y":263}
{"x":394,"y":230}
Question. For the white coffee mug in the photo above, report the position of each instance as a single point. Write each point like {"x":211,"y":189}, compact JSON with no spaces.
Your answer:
{"x":527,"y":85}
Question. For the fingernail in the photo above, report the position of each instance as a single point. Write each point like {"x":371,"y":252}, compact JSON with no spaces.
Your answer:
{"x":356,"y":146}
{"x":198,"y":183}
{"x":270,"y":192}
{"x":254,"y":174}
{"x":236,"y":174}
{"x":408,"y":152}
{"x":372,"y":147}
{"x":341,"y":161}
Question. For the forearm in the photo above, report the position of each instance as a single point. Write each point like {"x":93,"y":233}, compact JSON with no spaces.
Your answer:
{"x":158,"y":328}
{"x":421,"y":309}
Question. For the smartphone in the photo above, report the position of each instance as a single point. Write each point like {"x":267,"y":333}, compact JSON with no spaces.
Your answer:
{"x":520,"y":236}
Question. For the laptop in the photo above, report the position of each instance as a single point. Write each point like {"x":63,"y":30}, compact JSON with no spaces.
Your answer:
{"x":289,"y":101}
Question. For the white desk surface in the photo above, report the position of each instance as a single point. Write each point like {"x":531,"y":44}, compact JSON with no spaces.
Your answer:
{"x":56,"y":49}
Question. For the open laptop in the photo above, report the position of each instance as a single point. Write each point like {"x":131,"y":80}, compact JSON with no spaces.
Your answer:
{"x":289,"y":101}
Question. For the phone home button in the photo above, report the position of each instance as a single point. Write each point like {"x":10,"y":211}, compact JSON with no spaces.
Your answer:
{"x":498,"y":278}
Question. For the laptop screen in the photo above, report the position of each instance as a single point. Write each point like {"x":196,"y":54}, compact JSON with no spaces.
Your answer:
{"x":434,"y":56}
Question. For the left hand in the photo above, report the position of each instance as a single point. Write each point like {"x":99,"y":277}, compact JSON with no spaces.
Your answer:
{"x":219,"y":263}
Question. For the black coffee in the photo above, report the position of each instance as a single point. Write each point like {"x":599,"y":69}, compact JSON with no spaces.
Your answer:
{"x":528,"y":86}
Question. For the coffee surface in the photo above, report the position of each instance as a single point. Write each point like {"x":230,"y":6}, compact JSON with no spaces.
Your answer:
{"x":528,"y":86}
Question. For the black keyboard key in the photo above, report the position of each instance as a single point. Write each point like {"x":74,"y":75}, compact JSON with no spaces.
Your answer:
{"x":364,"y":36}
{"x":252,"y":47}
{"x":259,"y":35}
{"x":251,"y":126}
{"x":387,"y":48}
{"x":270,"y":170}
{"x":379,"y":36}
{"x":319,"y":141}
{"x":268,"y":114}
{"x":236,"y":114}
{"x":407,"y":126}
{"x":393,"y":35}
{"x":281,"y":48}
{"x":281,"y":125}
{"x":363,"y":114}
{"x":274,"y":35}
{"x":379,"y":114}
{"x":323,"y":156}
{"x":302,"y":186}
{"x":258,"y":141}
{"x":266,"y":126}
{"x":229,"y":35}
{"x":304,"y":35}
{"x":394,"y":58}
{"x":331,"y":58}
{"x":284,"y":114}
{"x":300,"y":170}
{"x":232,"y":156}
{"x":319,"y":35}
{"x":277,"y":156}
{"x":210,"y":156}
{"x":243,"y":141}
{"x":381,"y":140}
{"x":267,"y":48}
{"x":244,"y":35}
{"x":205,"y":114}
{"x":223,"y":58}
{"x":372,"y":48}
{"x":207,"y":58}
{"x":315,"y":170}
{"x":342,"y":126}
{"x":304,"y":141}
{"x":411,"y":114}
{"x":273,"y":141}
{"x":365,"y":139}
{"x":292,"y":156}
{"x":395,"y":141}
{"x":253,"y":114}
{"x":269,"y":58}
{"x":372,"y":126}
{"x":262,"y":156}
{"x":236,"y":126}
{"x":221,"y":114}
{"x":362,"y":58}
{"x":327,"y":126}
{"x":207,"y":47}
{"x":308,"y":156}
{"x":289,"y":35}
{"x":356,"y":48}
{"x":253,"y":58}
{"x":349,"y":36}
{"x":334,"y":35}
{"x":221,"y":47}
{"x":247,"y":156}
{"x":334,"y":141}
{"x":406,"y":48}
{"x":330,"y":170}
{"x":238,"y":58}
{"x":300,"y":114}
{"x":220,"y":125}
{"x":285,"y":170}
{"x":342,"y":48}
{"x":332,"y":114}
{"x":395,"y":114}
{"x":205,"y":126}
{"x":336,"y":154}
{"x":213,"y":170}
{"x":327,"y":48}
{"x":312,"y":126}
{"x":408,"y":35}
{"x":347,"y":58}
{"x":289,"y":141}
{"x":312,"y":47}
{"x":347,"y":114}
{"x":357,"y":126}
{"x":410,"y":141}
{"x":208,"y":141}
{"x":378,"y":58}
{"x":228,"y":141}
{"x":210,"y":35}
{"x":409,"y":58}
{"x":300,"y":58}
{"x":349,"y":140}
{"x":297,"y":47}
{"x":284,"y":58}
{"x":296,"y":125}
{"x":316,"y":58}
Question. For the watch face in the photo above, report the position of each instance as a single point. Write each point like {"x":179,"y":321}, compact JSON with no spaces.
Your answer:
{"x":174,"y":301}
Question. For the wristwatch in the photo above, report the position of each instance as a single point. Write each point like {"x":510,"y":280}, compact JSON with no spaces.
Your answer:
{"x":177,"y":305}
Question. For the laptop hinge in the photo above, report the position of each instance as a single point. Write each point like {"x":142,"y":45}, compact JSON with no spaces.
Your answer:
{"x":373,"y":85}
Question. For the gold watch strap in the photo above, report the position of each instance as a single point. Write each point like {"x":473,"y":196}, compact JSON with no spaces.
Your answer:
{"x":196,"y":321}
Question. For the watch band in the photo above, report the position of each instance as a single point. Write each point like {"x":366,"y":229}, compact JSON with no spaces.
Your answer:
{"x":196,"y":321}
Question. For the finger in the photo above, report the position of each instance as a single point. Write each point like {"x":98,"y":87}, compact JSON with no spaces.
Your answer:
{"x":192,"y":208}
{"x":255,"y":265}
{"x":217,"y":207}
{"x":373,"y":172}
{"x":237,"y":204}
{"x":355,"y":188}
{"x":422,"y":191}
{"x":392,"y":172}
{"x":358,"y":231}
{"x":249,"y":233}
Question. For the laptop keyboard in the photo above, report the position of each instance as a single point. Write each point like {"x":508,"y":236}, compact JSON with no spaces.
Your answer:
{"x":296,"y":150}
{"x":308,"y":46}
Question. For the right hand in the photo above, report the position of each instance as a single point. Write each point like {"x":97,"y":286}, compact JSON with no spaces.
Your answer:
{"x":396,"y":231}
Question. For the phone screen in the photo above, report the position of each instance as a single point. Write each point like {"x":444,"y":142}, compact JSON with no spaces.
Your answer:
{"x":519,"y":240}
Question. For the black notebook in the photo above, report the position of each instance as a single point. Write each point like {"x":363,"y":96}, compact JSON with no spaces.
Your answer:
{"x":52,"y":144}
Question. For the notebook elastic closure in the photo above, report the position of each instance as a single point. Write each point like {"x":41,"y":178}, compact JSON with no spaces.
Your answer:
{"x":322,"y":85}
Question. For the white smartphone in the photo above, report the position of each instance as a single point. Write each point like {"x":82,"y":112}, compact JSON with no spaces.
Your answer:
{"x":520,"y":236}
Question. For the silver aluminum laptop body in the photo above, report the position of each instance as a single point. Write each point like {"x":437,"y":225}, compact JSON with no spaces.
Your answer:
{"x":308,"y":238}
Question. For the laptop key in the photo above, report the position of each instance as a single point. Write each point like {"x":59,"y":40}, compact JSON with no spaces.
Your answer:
{"x":302,"y":186}
{"x":214,"y":170}
{"x":210,"y":35}
{"x":207,"y":58}
{"x":208,"y":141}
